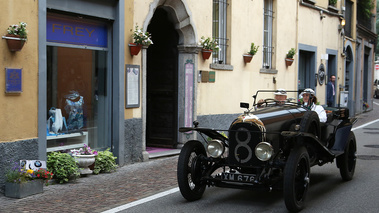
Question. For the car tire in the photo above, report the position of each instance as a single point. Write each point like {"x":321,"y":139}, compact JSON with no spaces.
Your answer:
{"x":310,"y":123}
{"x":296,"y":179}
{"x":189,"y":171}
{"x":347,"y":161}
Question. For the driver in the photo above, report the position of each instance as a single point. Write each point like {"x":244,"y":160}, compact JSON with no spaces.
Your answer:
{"x":280,"y":97}
{"x":310,"y":100}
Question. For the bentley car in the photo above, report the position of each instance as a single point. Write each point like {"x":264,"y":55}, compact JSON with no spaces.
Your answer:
{"x":271,"y":146}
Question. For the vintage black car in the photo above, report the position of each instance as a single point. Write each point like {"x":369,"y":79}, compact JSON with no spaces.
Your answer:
{"x":271,"y":147}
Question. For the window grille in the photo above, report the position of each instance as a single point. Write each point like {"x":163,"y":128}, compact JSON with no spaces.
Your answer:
{"x":268,"y":49}
{"x":219,"y":30}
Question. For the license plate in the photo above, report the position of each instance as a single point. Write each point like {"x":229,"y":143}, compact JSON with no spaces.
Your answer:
{"x":238,"y":177}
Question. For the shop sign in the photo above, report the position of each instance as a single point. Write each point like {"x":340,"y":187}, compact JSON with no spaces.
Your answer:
{"x":13,"y":80}
{"x":79,"y":32}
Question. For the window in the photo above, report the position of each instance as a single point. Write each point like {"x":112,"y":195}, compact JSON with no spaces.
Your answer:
{"x":219,"y":30}
{"x":267,"y":34}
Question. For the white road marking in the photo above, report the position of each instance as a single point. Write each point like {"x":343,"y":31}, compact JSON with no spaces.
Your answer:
{"x":141,"y":201}
{"x":366,"y":124}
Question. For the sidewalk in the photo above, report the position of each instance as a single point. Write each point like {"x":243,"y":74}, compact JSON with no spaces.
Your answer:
{"x":97,"y":193}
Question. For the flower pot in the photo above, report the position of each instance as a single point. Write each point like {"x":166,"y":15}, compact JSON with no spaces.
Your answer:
{"x":206,"y":53}
{"x":247,"y":58}
{"x":21,"y":190}
{"x":84,"y":161}
{"x":15,"y":44}
{"x":134,"y":48}
{"x":289,"y":61}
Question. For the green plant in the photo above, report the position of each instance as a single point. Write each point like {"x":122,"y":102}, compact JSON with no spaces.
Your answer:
{"x":18,"y":174}
{"x":18,"y":29}
{"x":364,"y":8}
{"x":63,"y":166}
{"x":291,"y":53}
{"x":209,"y":44}
{"x":105,"y":162}
{"x":253,"y":49}
{"x":332,"y":2}
{"x":142,"y":38}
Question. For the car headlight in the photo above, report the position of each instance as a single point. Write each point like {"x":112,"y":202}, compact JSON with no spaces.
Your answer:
{"x":263,"y":151}
{"x":215,"y":148}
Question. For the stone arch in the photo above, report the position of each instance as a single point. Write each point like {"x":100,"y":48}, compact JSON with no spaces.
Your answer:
{"x":180,"y":15}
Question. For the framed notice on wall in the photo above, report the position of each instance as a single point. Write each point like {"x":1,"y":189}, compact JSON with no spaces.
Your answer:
{"x":132,"y":83}
{"x":13,"y":80}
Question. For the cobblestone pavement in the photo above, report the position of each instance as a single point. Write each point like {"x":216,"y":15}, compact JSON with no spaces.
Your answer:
{"x":97,"y":193}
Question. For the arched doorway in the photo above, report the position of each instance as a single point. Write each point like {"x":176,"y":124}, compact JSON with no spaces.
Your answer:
{"x":162,"y":82}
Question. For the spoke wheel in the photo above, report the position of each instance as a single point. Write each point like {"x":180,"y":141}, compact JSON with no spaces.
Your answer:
{"x":346,"y":162}
{"x":189,"y":171}
{"x":296,"y":179}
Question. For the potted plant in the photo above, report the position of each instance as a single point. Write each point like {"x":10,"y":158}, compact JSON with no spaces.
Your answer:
{"x":140,"y":39}
{"x":63,"y":166}
{"x":208,"y":46}
{"x":16,"y":36}
{"x":21,"y":182}
{"x":289,"y":56}
{"x":332,"y":2}
{"x":105,"y":162}
{"x":253,"y":50}
{"x":84,"y":158}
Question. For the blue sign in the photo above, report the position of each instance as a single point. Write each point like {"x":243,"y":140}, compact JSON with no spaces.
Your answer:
{"x":13,"y":80}
{"x":80,"y":32}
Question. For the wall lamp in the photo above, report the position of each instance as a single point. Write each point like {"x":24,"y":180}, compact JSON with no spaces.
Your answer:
{"x":342,"y":24}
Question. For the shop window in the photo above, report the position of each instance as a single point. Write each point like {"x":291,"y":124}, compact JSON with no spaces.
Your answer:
{"x":77,"y":103}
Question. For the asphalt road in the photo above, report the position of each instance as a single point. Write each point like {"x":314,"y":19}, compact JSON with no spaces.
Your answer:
{"x":327,"y":193}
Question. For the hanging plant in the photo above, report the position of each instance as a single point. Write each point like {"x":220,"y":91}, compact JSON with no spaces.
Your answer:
{"x":16,"y":36}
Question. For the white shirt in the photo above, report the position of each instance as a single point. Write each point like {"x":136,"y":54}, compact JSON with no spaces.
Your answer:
{"x":320,"y":111}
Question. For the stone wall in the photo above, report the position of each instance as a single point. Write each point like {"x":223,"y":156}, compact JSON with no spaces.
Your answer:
{"x":12,"y":152}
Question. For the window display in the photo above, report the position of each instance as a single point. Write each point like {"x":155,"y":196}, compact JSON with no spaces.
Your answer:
{"x":77,"y":98}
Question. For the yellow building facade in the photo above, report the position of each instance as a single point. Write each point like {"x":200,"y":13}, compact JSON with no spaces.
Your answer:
{"x":77,"y":59}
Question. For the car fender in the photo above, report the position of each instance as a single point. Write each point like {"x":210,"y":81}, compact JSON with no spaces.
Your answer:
{"x":309,"y":140}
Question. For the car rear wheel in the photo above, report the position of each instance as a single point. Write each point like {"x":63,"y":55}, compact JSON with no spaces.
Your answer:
{"x":296,"y":179}
{"x":346,"y":162}
{"x":189,"y":171}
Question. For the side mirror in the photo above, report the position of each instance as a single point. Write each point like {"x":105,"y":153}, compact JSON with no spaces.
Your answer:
{"x":244,"y":105}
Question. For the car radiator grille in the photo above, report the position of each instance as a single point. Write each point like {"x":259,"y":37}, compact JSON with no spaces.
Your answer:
{"x":243,"y":138}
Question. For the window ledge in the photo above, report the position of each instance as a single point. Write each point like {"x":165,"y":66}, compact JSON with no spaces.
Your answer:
{"x":268,"y":71}
{"x":333,"y":8}
{"x":310,"y":1}
{"x":225,"y":67}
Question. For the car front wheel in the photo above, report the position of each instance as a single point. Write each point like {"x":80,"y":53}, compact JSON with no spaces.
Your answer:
{"x":296,"y":179}
{"x":189,"y":171}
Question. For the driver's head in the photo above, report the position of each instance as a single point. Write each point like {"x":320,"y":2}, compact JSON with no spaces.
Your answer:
{"x":280,"y":95}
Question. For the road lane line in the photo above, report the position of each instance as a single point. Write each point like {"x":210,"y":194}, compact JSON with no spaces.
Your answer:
{"x":141,"y":201}
{"x":366,"y":124}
